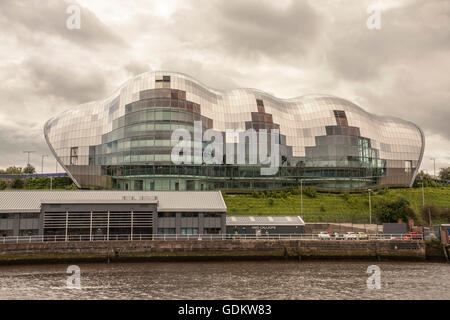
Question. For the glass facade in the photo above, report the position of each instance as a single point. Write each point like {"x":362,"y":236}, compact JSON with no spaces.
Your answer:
{"x":124,"y":142}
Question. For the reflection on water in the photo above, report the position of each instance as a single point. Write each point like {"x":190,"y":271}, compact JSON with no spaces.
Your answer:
{"x":233,"y":280}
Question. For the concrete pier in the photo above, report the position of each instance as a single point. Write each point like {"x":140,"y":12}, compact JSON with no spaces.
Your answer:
{"x":188,"y":250}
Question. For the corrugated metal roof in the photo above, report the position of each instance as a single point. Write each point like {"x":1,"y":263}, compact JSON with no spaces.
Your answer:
{"x":264,"y":221}
{"x":30,"y":201}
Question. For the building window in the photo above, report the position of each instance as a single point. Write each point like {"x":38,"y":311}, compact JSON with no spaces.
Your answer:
{"x":189,"y":215}
{"x":341,"y":118}
{"x":408,"y":166}
{"x":74,"y":156}
{"x":166,"y":231}
{"x":260,"y":105}
{"x":212,"y":230}
{"x":163,"y":79}
{"x":189,"y":231}
{"x":212,"y":215}
{"x":166,"y":214}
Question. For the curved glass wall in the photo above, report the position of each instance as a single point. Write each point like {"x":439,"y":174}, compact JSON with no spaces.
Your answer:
{"x":124,"y":142}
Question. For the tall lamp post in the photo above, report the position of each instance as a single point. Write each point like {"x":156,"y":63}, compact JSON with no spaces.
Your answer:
{"x":28,"y":159}
{"x":301,"y":198}
{"x":423,"y":196}
{"x":370,"y":208}
{"x":434,"y":166}
{"x":42,"y":167}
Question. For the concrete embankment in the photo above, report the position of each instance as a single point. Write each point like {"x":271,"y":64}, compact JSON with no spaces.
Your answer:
{"x":112,"y":251}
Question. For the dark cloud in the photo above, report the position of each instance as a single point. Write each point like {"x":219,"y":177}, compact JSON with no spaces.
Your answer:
{"x":30,"y":19}
{"x":15,"y":139}
{"x":249,"y":28}
{"x":64,"y":81}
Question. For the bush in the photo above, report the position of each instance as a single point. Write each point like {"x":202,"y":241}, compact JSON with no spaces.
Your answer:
{"x":3,"y":185}
{"x":270,"y":202}
{"x":37,"y":183}
{"x":445,"y":214}
{"x":71,"y":187}
{"x":310,"y":192}
{"x":17,"y":183}
{"x":430,"y":210}
{"x":322,"y":208}
{"x":346,"y":196}
{"x":394,"y":210}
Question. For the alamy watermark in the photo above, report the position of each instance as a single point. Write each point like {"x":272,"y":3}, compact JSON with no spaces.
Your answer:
{"x":374,"y":281}
{"x":252,"y":147}
{"x":74,"y":280}
{"x":374,"y":19}
{"x":73,"y":22}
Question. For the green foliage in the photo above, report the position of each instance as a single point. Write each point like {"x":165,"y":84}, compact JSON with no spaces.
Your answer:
{"x":345,"y":196}
{"x":337,"y":209}
{"x":71,"y":187}
{"x":63,"y":183}
{"x":310,"y":192}
{"x":436,"y":214}
{"x":12,"y":170}
{"x":29,"y":169}
{"x":270,"y":202}
{"x":322,"y":208}
{"x":427,"y":184}
{"x":17,"y":183}
{"x":444,"y":173}
{"x":37,"y":183}
{"x":394,"y":210}
{"x":3,"y":185}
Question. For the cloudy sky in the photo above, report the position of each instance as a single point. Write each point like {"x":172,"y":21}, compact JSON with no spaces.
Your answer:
{"x":287,"y":48}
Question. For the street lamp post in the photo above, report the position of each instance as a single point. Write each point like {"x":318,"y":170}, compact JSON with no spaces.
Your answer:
{"x":423,"y":196}
{"x":301,"y":198}
{"x":370,"y":208}
{"x":28,"y":159}
{"x":42,"y":167}
{"x":434,"y":166}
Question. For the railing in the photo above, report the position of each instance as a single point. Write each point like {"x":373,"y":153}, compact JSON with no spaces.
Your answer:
{"x":204,"y":237}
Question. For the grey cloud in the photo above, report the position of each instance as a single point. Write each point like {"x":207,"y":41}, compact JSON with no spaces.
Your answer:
{"x":15,"y":139}
{"x":249,"y":29}
{"x":29,"y":19}
{"x":220,"y":79}
{"x":74,"y":86}
{"x":408,"y":32}
{"x":134,"y":68}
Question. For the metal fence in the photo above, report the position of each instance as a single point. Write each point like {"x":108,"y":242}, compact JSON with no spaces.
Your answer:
{"x":206,"y":237}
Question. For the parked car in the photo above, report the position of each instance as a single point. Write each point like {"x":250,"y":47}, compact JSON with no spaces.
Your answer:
{"x":350,"y":236}
{"x":337,"y":236}
{"x":324,"y":235}
{"x":363,"y":236}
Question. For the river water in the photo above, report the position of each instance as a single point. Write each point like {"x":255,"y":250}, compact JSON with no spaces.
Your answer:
{"x":229,"y":280}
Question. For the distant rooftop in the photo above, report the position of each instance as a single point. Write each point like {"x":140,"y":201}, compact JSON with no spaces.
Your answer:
{"x":264,"y":220}
{"x":30,"y":201}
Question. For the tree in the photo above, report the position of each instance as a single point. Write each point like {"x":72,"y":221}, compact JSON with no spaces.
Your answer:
{"x":424,"y":175}
{"x":13,"y":170}
{"x":430,"y":211}
{"x":29,"y":169}
{"x":3,"y":185}
{"x":17,"y":183}
{"x":444,"y":174}
{"x":394,"y":210}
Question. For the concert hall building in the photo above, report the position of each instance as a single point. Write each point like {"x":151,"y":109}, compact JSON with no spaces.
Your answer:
{"x":124,"y":142}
